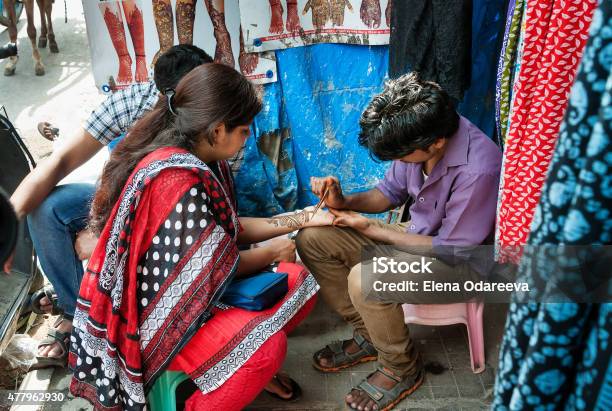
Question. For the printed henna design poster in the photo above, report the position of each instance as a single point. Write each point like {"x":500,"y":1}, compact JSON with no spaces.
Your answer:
{"x":279,"y":24}
{"x":126,"y":37}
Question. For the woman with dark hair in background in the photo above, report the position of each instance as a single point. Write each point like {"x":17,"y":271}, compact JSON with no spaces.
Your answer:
{"x":168,"y":229}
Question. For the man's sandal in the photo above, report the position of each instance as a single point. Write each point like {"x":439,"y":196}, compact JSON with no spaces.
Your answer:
{"x":384,"y":399}
{"x":342,"y":359}
{"x":49,"y":292}
{"x":53,"y":336}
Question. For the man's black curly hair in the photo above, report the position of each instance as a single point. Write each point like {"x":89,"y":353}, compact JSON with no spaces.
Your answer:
{"x":409,"y":114}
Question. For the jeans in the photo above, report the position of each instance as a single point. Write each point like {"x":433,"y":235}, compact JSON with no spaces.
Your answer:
{"x":53,"y":227}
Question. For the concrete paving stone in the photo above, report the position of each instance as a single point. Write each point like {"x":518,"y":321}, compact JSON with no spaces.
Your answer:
{"x":446,"y":378}
{"x":438,"y":357}
{"x":487,"y":376}
{"x":430,"y":346}
{"x":457,"y":345}
{"x":339,"y":381}
{"x":471,"y":391}
{"x":445,"y":391}
{"x":423,"y":332}
{"x":460,"y":360}
{"x":466,"y":377}
{"x":452,"y":331}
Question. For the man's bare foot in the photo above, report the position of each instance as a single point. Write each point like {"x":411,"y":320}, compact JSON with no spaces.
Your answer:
{"x":276,"y":21}
{"x":125,"y":70}
{"x":293,"y":20}
{"x":54,"y":350}
{"x":370,"y":13}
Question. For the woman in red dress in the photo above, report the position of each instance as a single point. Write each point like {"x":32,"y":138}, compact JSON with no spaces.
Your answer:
{"x":168,"y":247}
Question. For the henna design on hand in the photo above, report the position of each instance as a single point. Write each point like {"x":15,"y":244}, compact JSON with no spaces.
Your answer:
{"x":320,"y":12}
{"x":337,"y":11}
{"x":370,"y":13}
{"x":293,"y":221}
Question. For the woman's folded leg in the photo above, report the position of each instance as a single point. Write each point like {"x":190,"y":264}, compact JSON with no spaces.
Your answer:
{"x":246,"y":384}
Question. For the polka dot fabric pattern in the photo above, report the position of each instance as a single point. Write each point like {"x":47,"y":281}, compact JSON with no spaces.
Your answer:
{"x":554,"y":38}
{"x":175,"y":236}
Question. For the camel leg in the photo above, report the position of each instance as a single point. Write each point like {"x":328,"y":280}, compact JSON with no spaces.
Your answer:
{"x":42,"y":40}
{"x":39,"y":68}
{"x":52,"y":43}
{"x":9,"y":5}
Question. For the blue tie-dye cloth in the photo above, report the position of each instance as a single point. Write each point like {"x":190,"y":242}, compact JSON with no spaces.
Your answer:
{"x":315,"y":106}
{"x":557,"y":356}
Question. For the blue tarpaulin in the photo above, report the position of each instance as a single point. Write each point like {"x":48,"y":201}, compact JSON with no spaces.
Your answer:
{"x":309,"y":127}
{"x":310,"y":120}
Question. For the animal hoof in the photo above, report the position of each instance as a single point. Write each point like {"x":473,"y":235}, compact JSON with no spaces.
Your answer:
{"x":53,"y":47}
{"x":39,"y":70}
{"x":42,"y":42}
{"x":9,"y":71}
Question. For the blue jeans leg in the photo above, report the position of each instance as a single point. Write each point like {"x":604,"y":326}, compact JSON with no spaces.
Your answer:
{"x":53,"y":227}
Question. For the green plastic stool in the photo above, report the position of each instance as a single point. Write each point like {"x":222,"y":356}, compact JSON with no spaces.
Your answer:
{"x":162,"y":396}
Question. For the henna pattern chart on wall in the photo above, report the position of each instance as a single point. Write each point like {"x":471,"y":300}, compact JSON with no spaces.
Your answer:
{"x":293,"y":221}
{"x":223,"y":49}
{"x":247,"y":61}
{"x":370,"y":13}
{"x":114,"y":24}
{"x":133,"y":16}
{"x":314,"y":21}
{"x":338,"y":8}
{"x":164,"y":22}
{"x":141,"y":30}
{"x":185,"y":18}
{"x":293,"y":19}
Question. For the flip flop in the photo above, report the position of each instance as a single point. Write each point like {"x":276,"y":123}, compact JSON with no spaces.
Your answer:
{"x":54,"y":130}
{"x":296,"y":390}
{"x":53,"y":336}
{"x":49,"y":292}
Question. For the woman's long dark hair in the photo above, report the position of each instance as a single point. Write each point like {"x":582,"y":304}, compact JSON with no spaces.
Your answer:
{"x":207,"y":96}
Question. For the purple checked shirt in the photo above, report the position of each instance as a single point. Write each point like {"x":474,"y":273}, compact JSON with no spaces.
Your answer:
{"x":457,"y":203}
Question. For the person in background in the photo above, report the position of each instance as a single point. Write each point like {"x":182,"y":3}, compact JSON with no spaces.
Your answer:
{"x":450,"y":169}
{"x":57,"y":215}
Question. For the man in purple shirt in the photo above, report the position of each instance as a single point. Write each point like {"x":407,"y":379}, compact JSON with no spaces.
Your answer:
{"x":450,"y":170}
